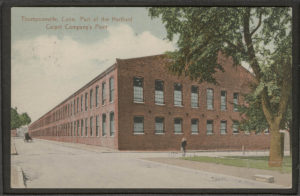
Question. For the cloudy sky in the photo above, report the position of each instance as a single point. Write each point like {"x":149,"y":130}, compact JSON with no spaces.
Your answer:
{"x":49,"y":65}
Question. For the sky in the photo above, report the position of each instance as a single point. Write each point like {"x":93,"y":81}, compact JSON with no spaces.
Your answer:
{"x":55,"y":51}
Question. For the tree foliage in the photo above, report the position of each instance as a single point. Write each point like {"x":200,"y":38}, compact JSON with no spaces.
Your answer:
{"x":258,"y":36}
{"x":17,"y":120}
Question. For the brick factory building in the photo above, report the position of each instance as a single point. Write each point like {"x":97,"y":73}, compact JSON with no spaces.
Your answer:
{"x":136,"y":104}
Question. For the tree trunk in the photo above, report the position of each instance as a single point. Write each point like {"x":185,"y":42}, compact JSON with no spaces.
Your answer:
{"x":276,"y":152}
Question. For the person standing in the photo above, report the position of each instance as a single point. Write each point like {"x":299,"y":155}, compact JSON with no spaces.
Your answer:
{"x":183,"y":146}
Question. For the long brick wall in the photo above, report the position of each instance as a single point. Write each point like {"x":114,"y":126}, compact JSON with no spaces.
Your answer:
{"x":234,"y":79}
{"x":56,"y":126}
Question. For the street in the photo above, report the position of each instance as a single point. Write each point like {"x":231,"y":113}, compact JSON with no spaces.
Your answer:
{"x":49,"y":164}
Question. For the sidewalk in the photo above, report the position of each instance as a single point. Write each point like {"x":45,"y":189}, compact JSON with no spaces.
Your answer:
{"x":170,"y":154}
{"x":13,"y":150}
{"x":284,"y":179}
{"x":16,"y":176}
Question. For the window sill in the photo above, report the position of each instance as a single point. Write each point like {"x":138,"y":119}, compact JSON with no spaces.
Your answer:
{"x":223,"y":134}
{"x":160,"y":104}
{"x":235,"y":133}
{"x":195,"y":133}
{"x":209,"y":133}
{"x":138,"y":133}
{"x":195,"y":107}
{"x":139,"y":102}
{"x":159,"y":133}
{"x":178,"y":133}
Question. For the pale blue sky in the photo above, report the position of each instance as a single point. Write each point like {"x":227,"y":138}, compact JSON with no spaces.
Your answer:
{"x":49,"y":65}
{"x":141,"y":22}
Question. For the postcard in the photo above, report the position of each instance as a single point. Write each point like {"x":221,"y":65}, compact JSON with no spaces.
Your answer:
{"x":151,"y":98}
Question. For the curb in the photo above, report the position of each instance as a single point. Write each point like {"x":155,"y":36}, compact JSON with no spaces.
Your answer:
{"x":13,"y":150}
{"x":17,"y":178}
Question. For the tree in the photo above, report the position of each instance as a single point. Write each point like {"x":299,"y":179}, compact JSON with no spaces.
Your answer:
{"x":17,"y":120}
{"x":258,"y":36}
{"x":25,"y":119}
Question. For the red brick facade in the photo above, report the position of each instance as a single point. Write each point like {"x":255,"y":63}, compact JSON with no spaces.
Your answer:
{"x":233,"y":80}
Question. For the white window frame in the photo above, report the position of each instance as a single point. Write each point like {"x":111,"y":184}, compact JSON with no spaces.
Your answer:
{"x":103,"y":125}
{"x":197,"y":125}
{"x":135,"y":125}
{"x":112,"y":124}
{"x":194,"y":97}
{"x":111,"y":89}
{"x":235,"y":123}
{"x":212,"y":127}
{"x":177,"y":94}
{"x":221,"y":129}
{"x":223,"y":101}
{"x":180,"y":120}
{"x":162,"y":131}
{"x":159,"y":97}
{"x":209,"y":100}
{"x":138,"y":91}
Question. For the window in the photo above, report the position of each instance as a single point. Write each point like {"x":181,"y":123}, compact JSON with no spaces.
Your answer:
{"x":91,"y":98}
{"x":209,"y":127}
{"x":77,"y":127}
{"x":138,"y":89}
{"x":138,"y":127}
{"x":103,"y":124}
{"x":194,"y":126}
{"x":74,"y":107}
{"x":103,"y":93}
{"x":77,"y":104}
{"x":97,"y":125}
{"x":177,"y":94}
{"x":71,"y":129}
{"x":97,"y":97}
{"x":210,"y":99}
{"x":112,"y":124}
{"x":235,"y":127}
{"x":223,"y":127}
{"x":86,"y":127}
{"x":81,"y":127}
{"x":91,"y":126}
{"x":86,"y":101}
{"x":74,"y":130}
{"x":223,"y":101}
{"x":68,"y":109}
{"x":71,"y":108}
{"x":235,"y":101}
{"x":194,"y":97}
{"x":111,"y":89}
{"x":159,"y":125}
{"x":177,"y":125}
{"x":81,"y":103}
{"x":159,"y":92}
